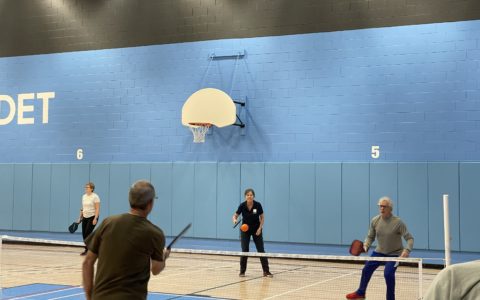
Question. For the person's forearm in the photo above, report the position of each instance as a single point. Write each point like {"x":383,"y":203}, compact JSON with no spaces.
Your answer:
{"x":409,"y":245}
{"x":88,"y":279}
{"x":157,"y":266}
{"x":369,"y":238}
{"x":97,"y":210}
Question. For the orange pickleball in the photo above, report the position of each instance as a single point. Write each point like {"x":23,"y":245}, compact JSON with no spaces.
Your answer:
{"x":244,"y":227}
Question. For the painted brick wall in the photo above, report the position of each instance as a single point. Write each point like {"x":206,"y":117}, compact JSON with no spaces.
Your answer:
{"x":51,"y":26}
{"x":411,"y":90}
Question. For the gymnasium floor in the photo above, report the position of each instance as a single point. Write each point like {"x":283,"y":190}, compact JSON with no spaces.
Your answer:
{"x":46,"y":272}
{"x":38,"y":272}
{"x":40,"y":291}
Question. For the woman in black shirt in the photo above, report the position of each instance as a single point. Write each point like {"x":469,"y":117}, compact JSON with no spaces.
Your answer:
{"x":252,"y":215}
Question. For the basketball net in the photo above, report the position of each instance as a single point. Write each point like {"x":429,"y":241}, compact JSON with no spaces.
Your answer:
{"x":199,"y":131}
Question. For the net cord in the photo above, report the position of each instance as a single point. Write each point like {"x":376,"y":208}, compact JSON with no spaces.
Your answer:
{"x":7,"y":238}
{"x":413,"y":260}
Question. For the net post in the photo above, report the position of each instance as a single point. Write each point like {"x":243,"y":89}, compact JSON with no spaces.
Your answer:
{"x":1,"y":274}
{"x":446,"y":226}
{"x":420,"y":279}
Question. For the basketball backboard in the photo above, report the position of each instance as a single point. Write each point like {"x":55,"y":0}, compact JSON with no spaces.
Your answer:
{"x":209,"y":106}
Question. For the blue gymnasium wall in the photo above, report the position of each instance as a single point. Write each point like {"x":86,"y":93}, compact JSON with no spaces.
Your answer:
{"x":411,"y":90}
{"x":323,"y":203}
{"x":316,"y":103}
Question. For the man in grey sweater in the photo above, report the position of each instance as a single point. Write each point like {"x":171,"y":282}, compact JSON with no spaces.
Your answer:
{"x":388,"y":230}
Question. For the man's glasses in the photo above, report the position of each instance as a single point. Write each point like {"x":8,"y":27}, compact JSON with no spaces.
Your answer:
{"x":382,"y":206}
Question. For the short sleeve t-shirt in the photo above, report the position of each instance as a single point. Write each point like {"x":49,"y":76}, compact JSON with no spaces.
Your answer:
{"x":250,"y":217}
{"x":88,"y":204}
{"x":124,"y":245}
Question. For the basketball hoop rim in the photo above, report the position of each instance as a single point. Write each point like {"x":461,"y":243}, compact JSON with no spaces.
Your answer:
{"x":200,"y":124}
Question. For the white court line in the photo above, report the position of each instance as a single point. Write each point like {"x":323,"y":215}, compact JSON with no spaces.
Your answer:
{"x":310,"y":285}
{"x":68,"y":296}
{"x":182,"y":296}
{"x":45,"y":293}
{"x":198,"y":269}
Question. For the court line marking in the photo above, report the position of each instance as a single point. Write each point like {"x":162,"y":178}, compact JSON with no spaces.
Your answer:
{"x":310,"y":285}
{"x":67,"y":296}
{"x":45,"y":293}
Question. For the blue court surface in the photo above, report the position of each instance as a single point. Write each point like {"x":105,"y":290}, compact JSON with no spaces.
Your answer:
{"x":41,"y":291}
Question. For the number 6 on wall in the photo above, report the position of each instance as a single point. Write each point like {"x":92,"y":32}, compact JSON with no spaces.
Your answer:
{"x":375,"y":151}
{"x":80,"y":154}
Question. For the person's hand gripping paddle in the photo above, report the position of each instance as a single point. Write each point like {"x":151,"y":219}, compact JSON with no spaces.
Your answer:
{"x":356,"y":248}
{"x":239,"y":220}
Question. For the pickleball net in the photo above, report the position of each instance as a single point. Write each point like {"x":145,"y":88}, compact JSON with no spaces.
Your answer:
{"x":215,"y":274}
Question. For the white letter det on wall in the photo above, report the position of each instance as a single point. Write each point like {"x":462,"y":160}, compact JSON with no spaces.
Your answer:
{"x":25,"y":105}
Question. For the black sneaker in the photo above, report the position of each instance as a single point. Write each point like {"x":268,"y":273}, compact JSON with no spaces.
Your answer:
{"x":267,"y":274}
{"x":242,"y":274}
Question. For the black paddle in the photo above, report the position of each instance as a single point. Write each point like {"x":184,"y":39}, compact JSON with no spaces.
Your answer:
{"x":239,"y":220}
{"x":179,"y":236}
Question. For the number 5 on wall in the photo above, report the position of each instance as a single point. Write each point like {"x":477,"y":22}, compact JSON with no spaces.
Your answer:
{"x":375,"y":151}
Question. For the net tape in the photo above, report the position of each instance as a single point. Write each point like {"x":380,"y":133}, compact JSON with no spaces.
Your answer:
{"x":412,"y":260}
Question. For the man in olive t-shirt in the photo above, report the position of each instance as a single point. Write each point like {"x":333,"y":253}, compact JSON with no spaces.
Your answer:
{"x":128,"y":248}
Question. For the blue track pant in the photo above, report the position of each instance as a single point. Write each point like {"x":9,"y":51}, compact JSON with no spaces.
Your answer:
{"x":389,"y":273}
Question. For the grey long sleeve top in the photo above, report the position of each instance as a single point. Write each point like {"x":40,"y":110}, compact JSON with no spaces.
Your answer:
{"x":389,"y":233}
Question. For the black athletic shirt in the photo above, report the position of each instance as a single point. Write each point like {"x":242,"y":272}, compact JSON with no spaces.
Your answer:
{"x":250,"y":217}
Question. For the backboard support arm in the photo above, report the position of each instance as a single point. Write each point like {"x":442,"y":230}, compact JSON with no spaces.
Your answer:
{"x":239,"y":121}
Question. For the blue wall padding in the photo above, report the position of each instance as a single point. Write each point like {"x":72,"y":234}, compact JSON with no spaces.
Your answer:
{"x":328,"y":208}
{"x":277,"y":191}
{"x":318,"y":203}
{"x":355,"y":201}
{"x":41,"y":191}
{"x":22,"y":203}
{"x":413,"y":206}
{"x":469,"y":206}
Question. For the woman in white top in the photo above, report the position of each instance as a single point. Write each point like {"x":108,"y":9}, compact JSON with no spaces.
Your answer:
{"x":89,"y":212}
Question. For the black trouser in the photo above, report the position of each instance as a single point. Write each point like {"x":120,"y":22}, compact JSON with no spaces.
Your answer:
{"x":87,"y":228}
{"x":245,"y":241}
